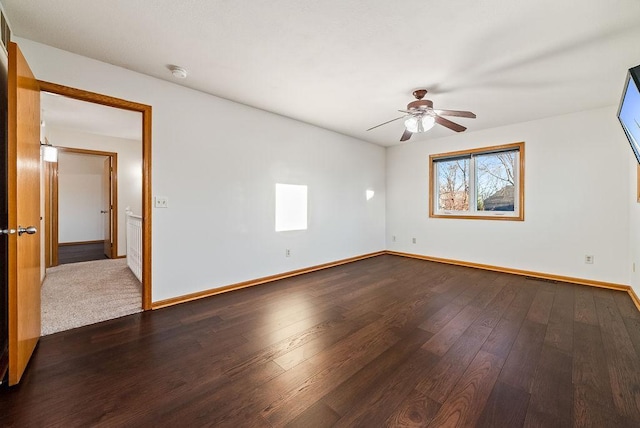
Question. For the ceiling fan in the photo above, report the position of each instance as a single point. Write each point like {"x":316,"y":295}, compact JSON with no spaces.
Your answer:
{"x":421,"y":117}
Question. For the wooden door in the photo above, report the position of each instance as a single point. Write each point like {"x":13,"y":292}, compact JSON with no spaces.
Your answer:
{"x":107,"y":208}
{"x":24,"y":213}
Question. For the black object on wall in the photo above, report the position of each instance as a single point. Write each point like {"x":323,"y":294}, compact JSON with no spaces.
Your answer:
{"x":629,"y":110}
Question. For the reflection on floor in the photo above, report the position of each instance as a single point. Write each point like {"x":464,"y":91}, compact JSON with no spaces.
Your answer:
{"x":386,"y":341}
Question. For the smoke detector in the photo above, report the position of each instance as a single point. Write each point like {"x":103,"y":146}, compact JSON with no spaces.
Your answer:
{"x":178,"y":72}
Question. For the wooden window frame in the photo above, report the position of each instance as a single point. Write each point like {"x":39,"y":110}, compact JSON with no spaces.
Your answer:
{"x":474,"y":152}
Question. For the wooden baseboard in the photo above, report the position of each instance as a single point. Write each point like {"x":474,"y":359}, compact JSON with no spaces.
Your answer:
{"x":64,"y":244}
{"x":634,"y":297}
{"x":572,"y":280}
{"x":580,"y":281}
{"x":212,"y":292}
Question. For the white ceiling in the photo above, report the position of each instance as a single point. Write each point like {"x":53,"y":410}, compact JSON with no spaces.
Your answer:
{"x":347,"y":65}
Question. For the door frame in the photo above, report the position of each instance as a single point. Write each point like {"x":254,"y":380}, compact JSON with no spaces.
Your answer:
{"x":50,"y":170}
{"x":82,"y":95}
{"x":51,"y":204}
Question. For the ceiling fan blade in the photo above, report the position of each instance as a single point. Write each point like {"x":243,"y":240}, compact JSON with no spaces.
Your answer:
{"x":451,"y":125}
{"x":406,"y":135}
{"x":458,"y":113}
{"x":388,"y":121}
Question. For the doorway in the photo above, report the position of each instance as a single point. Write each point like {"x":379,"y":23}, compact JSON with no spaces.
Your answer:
{"x":89,"y":277}
{"x":145,"y":171}
{"x":81,"y":206}
{"x":24,"y":183}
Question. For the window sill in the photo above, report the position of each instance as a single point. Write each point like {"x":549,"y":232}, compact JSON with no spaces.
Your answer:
{"x":480,"y":217}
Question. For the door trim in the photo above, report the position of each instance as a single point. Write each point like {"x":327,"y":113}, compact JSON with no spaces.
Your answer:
{"x":51,"y":204}
{"x":146,"y":111}
{"x":50,"y":172}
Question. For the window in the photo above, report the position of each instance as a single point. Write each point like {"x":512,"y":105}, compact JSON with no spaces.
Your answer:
{"x":291,"y":207}
{"x":485,"y":183}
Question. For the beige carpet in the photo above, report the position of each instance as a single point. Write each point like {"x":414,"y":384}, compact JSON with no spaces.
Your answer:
{"x":84,"y":293}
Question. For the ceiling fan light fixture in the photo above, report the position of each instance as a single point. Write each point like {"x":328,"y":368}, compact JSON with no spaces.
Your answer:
{"x":421,"y":117}
{"x":418,"y":124}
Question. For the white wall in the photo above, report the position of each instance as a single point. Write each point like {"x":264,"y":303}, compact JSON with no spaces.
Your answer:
{"x":80,"y":198}
{"x":634,"y":222}
{"x":576,"y":200}
{"x":129,"y":169}
{"x":218,"y":162}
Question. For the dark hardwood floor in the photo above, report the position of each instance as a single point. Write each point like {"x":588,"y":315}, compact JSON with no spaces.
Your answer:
{"x":386,"y":341}
{"x":80,"y":253}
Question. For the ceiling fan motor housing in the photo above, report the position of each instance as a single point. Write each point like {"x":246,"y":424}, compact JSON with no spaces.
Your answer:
{"x":420,"y":105}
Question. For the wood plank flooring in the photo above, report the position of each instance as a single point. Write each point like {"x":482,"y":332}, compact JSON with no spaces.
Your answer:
{"x":387,"y":341}
{"x":80,"y":253}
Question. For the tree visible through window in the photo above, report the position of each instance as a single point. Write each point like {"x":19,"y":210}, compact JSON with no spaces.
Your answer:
{"x":453,"y":185}
{"x":480,"y":183}
{"x":495,"y":181}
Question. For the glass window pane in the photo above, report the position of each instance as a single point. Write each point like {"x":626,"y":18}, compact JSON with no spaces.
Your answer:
{"x":453,"y":184}
{"x":495,"y":181}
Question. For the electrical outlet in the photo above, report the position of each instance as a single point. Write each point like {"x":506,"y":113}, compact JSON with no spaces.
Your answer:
{"x":588,"y":259}
{"x":393,"y":238}
{"x":287,"y":253}
{"x":161,"y":202}
{"x":413,"y":240}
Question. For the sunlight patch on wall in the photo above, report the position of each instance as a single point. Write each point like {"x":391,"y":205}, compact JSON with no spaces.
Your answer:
{"x":291,"y":207}
{"x":369,"y":193}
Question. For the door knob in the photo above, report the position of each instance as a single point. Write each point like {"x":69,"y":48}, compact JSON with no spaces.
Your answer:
{"x":7,"y":231}
{"x":103,"y":212}
{"x":30,"y":230}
